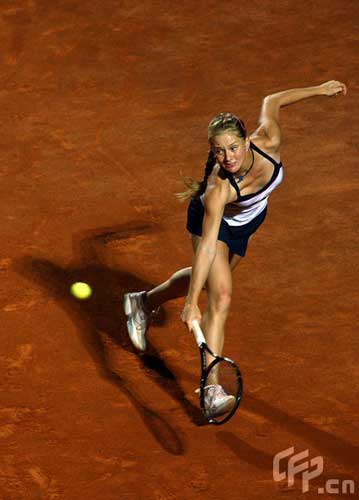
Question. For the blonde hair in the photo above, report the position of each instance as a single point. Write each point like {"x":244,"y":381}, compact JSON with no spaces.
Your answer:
{"x":224,"y":122}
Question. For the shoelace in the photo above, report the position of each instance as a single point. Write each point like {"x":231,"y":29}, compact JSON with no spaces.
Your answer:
{"x":140,"y":316}
{"x":210,"y":386}
{"x":143,"y":315}
{"x":214,"y":392}
{"x":139,"y":325}
{"x":220,"y":391}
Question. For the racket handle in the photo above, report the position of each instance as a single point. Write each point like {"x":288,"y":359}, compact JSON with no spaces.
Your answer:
{"x":198,"y":333}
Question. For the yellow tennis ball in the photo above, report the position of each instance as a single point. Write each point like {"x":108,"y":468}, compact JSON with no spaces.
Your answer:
{"x":81,"y":290}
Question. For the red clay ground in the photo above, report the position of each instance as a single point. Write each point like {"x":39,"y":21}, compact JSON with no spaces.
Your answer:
{"x":102,"y":104}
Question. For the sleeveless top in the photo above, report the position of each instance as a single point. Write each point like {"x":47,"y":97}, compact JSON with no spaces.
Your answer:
{"x":248,"y":206}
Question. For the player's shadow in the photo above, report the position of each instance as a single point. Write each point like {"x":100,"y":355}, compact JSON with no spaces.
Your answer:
{"x":103,"y":329}
{"x":264,"y":461}
{"x":340,"y":451}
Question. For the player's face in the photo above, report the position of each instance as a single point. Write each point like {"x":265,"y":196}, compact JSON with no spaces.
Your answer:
{"x":230,"y":150}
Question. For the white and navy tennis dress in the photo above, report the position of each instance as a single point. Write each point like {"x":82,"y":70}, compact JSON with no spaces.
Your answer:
{"x":241,"y":218}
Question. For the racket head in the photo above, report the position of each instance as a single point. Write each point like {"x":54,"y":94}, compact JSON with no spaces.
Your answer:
{"x":221,"y":390}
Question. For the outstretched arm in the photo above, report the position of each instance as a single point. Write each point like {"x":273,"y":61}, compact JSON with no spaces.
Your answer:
{"x":269,"y":125}
{"x":215,"y":200}
{"x":330,"y":88}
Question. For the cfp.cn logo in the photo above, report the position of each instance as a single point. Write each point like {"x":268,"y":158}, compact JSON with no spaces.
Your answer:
{"x":298,"y":464}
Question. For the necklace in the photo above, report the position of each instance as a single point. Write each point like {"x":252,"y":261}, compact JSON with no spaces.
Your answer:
{"x":241,"y":177}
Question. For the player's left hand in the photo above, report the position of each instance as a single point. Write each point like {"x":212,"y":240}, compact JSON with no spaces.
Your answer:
{"x":333,"y":88}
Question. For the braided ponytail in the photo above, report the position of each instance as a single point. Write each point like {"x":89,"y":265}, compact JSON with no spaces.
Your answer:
{"x":194,"y":187}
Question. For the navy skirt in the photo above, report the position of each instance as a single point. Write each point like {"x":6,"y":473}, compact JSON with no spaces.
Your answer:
{"x":236,"y":237}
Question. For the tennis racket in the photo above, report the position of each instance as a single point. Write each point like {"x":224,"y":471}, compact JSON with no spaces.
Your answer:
{"x":221,"y":387}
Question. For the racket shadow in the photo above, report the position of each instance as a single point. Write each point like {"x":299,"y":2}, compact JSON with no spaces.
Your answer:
{"x":161,"y":430}
{"x":159,"y":373}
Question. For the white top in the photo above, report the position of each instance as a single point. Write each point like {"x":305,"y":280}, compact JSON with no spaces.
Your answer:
{"x":247,"y":207}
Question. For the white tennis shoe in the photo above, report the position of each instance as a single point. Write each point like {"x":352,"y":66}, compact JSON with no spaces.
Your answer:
{"x":138,"y":318}
{"x":217,"y":401}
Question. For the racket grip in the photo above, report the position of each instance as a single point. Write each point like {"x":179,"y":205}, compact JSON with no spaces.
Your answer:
{"x":198,"y":333}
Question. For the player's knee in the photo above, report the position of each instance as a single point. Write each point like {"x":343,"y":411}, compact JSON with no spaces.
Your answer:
{"x":220,"y":302}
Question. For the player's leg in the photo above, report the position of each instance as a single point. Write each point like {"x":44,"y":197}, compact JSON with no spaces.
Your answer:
{"x":177,"y":285}
{"x":139,"y":306}
{"x":174,"y":287}
{"x":219,"y":294}
{"x":219,"y":289}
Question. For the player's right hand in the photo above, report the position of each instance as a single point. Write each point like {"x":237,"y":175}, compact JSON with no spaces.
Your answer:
{"x":191,"y":312}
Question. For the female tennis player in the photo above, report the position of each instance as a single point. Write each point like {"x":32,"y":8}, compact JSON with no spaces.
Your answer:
{"x":224,"y":212}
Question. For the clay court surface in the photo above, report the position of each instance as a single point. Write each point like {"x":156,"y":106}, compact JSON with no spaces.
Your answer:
{"x":102,"y":105}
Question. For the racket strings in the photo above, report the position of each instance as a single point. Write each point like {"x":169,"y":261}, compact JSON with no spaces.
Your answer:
{"x":228,"y":378}
{"x":225,"y":375}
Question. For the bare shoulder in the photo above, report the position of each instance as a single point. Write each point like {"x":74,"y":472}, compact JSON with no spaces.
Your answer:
{"x":260,"y":140}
